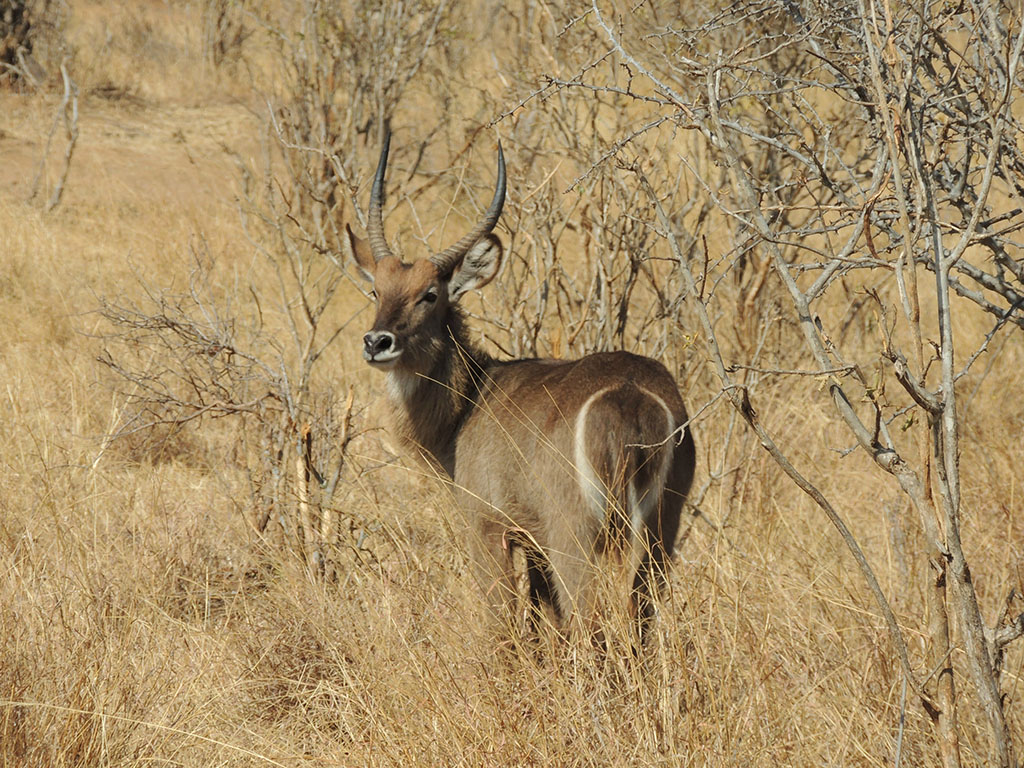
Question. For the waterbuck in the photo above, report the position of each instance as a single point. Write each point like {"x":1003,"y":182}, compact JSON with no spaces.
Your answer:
{"x":575,"y":460}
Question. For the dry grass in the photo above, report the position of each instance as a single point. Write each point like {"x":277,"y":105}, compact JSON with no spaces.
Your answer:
{"x":142,"y":622}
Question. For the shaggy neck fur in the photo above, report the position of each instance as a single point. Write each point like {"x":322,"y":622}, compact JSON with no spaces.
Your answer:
{"x":434,"y":394}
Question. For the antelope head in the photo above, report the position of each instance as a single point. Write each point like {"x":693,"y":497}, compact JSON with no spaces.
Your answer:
{"x":416,"y":302}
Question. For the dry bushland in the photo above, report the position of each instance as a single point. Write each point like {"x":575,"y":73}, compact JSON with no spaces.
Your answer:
{"x":211,"y":554}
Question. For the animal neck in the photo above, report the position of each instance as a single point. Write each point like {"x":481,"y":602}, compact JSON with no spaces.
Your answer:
{"x":432,"y":402}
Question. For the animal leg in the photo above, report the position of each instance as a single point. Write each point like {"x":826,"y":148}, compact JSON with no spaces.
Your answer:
{"x":494,"y":571}
{"x":576,"y":585}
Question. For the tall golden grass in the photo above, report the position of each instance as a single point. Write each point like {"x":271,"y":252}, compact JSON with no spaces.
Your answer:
{"x":142,"y":622}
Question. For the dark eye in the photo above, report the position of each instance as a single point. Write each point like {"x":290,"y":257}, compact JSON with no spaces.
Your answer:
{"x":429,"y":297}
{"x":373,"y":294}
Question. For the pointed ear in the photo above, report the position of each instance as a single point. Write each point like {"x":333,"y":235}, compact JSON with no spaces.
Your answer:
{"x":477,"y":269}
{"x":359,"y":251}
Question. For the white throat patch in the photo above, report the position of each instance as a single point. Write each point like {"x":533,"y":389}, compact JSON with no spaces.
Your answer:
{"x":402,"y":386}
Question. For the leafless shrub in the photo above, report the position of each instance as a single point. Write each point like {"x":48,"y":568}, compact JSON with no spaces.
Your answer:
{"x":345,"y":71}
{"x":844,"y":153}
{"x":258,"y":357}
{"x":188,"y":359}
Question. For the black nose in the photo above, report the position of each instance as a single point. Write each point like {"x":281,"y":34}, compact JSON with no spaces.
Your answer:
{"x":376,"y":342}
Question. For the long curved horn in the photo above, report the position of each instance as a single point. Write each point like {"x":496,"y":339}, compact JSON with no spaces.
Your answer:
{"x":449,"y":258}
{"x":375,"y":223}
